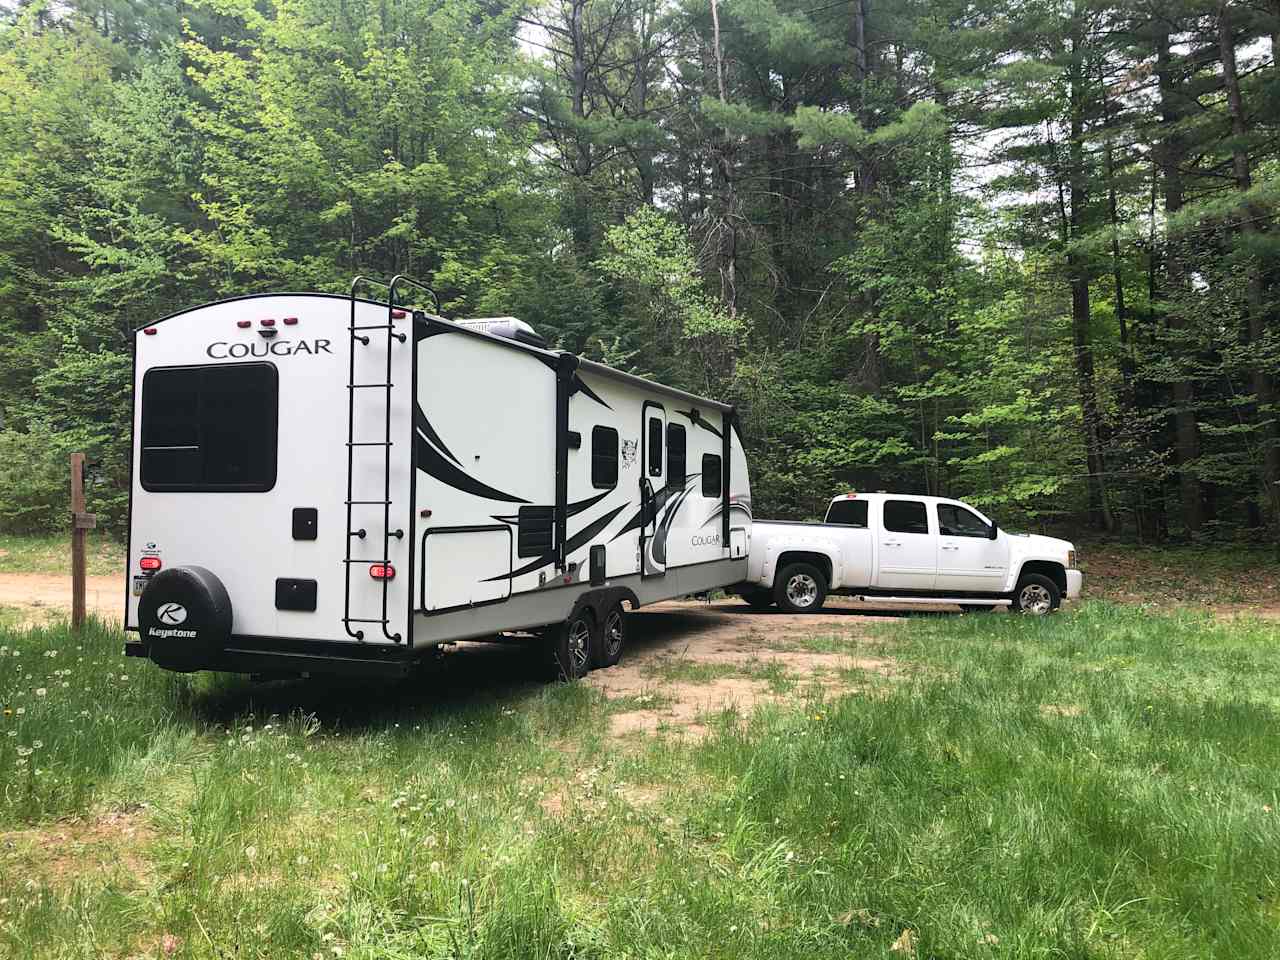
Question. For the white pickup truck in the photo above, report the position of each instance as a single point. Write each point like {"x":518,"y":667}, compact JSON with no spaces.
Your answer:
{"x":898,"y":548}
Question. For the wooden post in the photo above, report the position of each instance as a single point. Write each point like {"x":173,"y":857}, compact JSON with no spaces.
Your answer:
{"x":81,"y":524}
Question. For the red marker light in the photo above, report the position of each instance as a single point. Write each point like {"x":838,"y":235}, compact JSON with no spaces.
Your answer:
{"x":150,"y":331}
{"x":267,"y":323}
{"x":398,"y":314}
{"x":243,"y":324}
{"x":382,"y":571}
{"x":149,"y":563}
{"x":290,"y":321}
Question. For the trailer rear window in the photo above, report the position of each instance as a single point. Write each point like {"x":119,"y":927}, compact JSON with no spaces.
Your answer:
{"x":210,"y":428}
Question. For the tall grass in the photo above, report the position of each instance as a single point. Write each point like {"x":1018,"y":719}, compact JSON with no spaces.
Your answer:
{"x":1097,"y":784}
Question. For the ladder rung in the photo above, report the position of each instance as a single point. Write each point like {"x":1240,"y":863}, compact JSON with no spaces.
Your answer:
{"x":366,"y":561}
{"x":369,"y":386}
{"x":369,"y":443}
{"x":373,"y":326}
{"x":358,"y":620}
{"x":381,"y":503}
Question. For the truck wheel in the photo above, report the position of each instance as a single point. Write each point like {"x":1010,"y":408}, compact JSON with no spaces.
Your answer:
{"x":612,"y":637}
{"x":800,"y":588}
{"x":759,"y":599}
{"x":569,"y":646}
{"x":1036,"y":594}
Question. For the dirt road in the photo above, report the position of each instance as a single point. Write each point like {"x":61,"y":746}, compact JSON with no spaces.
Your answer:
{"x":45,"y":595}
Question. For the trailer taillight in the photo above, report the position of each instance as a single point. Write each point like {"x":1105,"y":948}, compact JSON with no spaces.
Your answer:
{"x":150,"y":331}
{"x":398,"y":314}
{"x":150,"y":564}
{"x":382,"y":571}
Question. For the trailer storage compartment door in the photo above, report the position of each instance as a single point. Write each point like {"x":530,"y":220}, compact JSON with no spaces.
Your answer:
{"x":458,"y":565}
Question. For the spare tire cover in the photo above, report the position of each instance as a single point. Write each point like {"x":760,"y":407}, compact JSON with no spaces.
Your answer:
{"x":184,"y":618}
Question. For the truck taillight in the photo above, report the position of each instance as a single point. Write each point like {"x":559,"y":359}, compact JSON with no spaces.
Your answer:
{"x":1071,"y":558}
{"x":149,"y":564}
{"x":382,"y":571}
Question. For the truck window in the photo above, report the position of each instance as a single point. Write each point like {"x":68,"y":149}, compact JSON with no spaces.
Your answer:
{"x":210,"y":428}
{"x":604,"y":458}
{"x":848,"y":513}
{"x":655,"y":447}
{"x":956,"y":521}
{"x":905,"y":516}
{"x":676,"y":457}
{"x":711,"y":476}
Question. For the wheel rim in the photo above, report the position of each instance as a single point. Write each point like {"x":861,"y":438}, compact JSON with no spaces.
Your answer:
{"x":1034,"y":598}
{"x":802,"y":590}
{"x":579,"y":645}
{"x":613,"y":635}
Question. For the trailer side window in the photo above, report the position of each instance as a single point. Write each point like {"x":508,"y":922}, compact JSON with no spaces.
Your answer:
{"x":676,"y":469}
{"x":711,"y":475}
{"x":535,"y":526}
{"x":604,"y":458}
{"x":905,"y":516}
{"x":210,"y":428}
{"x":655,"y":447}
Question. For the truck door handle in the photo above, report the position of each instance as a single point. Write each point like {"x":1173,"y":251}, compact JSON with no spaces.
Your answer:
{"x":893,"y":543}
{"x":948,"y":546}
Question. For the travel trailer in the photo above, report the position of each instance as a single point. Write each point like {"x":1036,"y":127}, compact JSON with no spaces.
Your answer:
{"x":332,"y":484}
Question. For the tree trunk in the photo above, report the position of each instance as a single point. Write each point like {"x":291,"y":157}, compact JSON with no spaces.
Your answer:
{"x":1173,"y":151}
{"x":1255,"y":325}
{"x":1078,"y":269}
{"x":727,"y":228}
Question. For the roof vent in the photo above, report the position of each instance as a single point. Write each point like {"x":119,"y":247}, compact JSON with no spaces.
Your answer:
{"x":508,"y":327}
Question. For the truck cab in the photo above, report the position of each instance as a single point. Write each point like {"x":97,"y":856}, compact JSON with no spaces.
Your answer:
{"x":903,"y":548}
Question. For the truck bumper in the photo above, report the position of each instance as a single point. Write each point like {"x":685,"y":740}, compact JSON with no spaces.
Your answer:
{"x":1075,"y":581}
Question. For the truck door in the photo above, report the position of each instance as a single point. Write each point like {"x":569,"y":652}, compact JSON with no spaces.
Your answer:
{"x":653,"y":489}
{"x":908,"y":555}
{"x":968,"y":559}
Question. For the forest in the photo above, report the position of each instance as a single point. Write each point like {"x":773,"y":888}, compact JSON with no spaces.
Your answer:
{"x":1016,"y":251}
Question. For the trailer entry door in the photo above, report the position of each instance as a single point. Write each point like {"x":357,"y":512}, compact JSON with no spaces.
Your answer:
{"x":653,"y":490}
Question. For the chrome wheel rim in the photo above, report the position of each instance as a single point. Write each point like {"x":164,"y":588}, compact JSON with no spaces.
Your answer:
{"x":1034,"y":598}
{"x":613,"y":635}
{"x":579,"y":645}
{"x":802,"y":590}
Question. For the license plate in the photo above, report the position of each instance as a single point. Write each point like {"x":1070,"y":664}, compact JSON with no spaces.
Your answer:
{"x":139,"y":584}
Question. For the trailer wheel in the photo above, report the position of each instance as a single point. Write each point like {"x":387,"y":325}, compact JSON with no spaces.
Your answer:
{"x":800,"y":588}
{"x":612,"y":637}
{"x":1036,"y":594}
{"x":758,"y":599}
{"x":569,"y":646}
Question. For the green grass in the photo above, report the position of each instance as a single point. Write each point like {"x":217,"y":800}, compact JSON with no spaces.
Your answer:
{"x":28,"y":554}
{"x":1097,"y":784}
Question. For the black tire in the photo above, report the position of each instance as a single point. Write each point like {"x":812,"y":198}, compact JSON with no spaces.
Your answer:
{"x":611,"y":638}
{"x":758,"y":599}
{"x":569,"y":646}
{"x":800,"y":588}
{"x":1036,"y":594}
{"x":184,"y":618}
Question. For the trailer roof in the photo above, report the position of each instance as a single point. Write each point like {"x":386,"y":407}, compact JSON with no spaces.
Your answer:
{"x":589,"y":366}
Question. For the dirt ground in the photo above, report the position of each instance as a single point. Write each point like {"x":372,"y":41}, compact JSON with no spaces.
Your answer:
{"x":686,"y":661}
{"x":44,"y":595}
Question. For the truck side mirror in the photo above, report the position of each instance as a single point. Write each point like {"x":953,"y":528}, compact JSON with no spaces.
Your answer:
{"x":993,"y":531}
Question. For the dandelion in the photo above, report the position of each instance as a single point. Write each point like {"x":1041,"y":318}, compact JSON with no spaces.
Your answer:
{"x":435,"y":866}
{"x":37,"y":745}
{"x":41,"y":691}
{"x":302,"y":860}
{"x":251,"y":852}
{"x":21,"y":711}
{"x":8,"y":711}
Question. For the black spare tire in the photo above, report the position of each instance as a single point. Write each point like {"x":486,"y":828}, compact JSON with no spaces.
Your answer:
{"x":184,"y":618}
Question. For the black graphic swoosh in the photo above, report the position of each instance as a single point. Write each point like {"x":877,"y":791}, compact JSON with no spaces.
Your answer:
{"x":575,"y":542}
{"x":430,"y":461}
{"x":424,"y":427}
